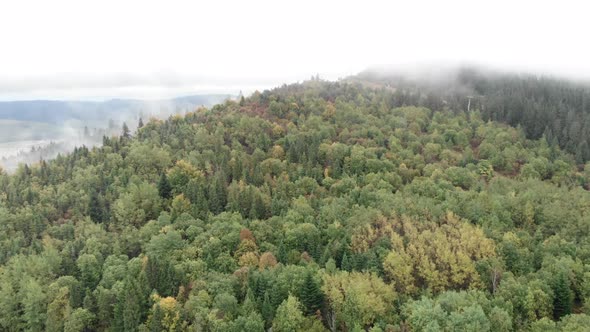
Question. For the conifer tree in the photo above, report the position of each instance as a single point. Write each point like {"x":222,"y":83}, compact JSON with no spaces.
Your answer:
{"x":267,"y":310}
{"x":155,"y":320}
{"x":563,"y":300}
{"x":311,"y":295}
{"x":89,"y":302}
{"x":125,"y":133}
{"x":282,"y":253}
{"x":217,"y":195}
{"x":164,"y":187}
{"x":345,"y":263}
{"x":129,"y":308}
{"x":95,"y":210}
{"x":161,"y":276}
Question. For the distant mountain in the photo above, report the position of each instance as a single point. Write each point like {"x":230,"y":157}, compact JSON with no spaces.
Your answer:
{"x":97,"y":113}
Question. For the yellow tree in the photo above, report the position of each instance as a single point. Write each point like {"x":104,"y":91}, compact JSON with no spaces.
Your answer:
{"x":399,"y":267}
{"x":358,"y":298}
{"x":437,"y":256}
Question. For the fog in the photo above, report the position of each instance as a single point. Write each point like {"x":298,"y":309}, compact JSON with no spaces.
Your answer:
{"x":67,"y":49}
{"x":31,"y":131}
{"x":92,"y":87}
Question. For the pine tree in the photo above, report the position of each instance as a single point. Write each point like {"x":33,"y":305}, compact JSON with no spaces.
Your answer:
{"x":282,"y":253}
{"x":89,"y":302}
{"x":563,"y":300}
{"x":217,"y":195}
{"x":164,"y":187}
{"x":310,"y":294}
{"x":44,"y":173}
{"x":125,"y":133}
{"x":374,"y":263}
{"x":200,"y":203}
{"x":257,"y":211}
{"x":277,"y":295}
{"x":155,"y":321}
{"x":345,"y":263}
{"x":118,"y":324}
{"x":95,"y":210}
{"x":249,"y":304}
{"x":161,"y":276}
{"x":132,"y":308}
{"x":267,"y":310}
{"x":140,"y":124}
{"x":131,"y":303}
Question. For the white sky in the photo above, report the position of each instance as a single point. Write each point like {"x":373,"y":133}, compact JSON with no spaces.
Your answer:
{"x":122,"y":48}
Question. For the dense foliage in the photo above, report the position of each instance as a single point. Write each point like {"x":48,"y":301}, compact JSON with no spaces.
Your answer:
{"x":557,"y":109}
{"x":315,"y":206}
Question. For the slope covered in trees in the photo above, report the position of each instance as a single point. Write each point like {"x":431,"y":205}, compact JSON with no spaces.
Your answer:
{"x":312,"y":207}
{"x":556,"y":109}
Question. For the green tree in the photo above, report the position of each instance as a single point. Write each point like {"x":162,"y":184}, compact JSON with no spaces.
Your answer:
{"x":267,"y":310}
{"x":311,"y":295}
{"x":9,"y":307}
{"x":80,"y":320}
{"x":95,"y":207}
{"x":471,"y":319}
{"x":575,"y":323}
{"x":164,"y":187}
{"x":289,"y":317}
{"x":34,"y":305}
{"x":125,"y":132}
{"x":90,"y":270}
{"x":250,"y":323}
{"x":345,"y":263}
{"x":563,"y":298}
{"x":161,"y":276}
{"x":217,"y":195}
{"x":130,"y":306}
{"x":180,"y":205}
{"x":140,"y":204}
{"x":58,"y":311}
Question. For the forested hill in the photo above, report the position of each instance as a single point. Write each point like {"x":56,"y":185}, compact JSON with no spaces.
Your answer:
{"x":312,"y":207}
{"x":557,"y":109}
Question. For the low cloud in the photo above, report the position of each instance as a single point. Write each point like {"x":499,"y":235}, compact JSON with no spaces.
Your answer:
{"x":125,"y":85}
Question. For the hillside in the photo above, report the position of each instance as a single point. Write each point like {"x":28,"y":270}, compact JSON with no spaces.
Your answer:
{"x":311,"y":207}
{"x":549,"y":107}
{"x":30,"y":130}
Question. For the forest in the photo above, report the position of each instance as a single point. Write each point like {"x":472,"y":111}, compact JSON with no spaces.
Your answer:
{"x":558,"y":109}
{"x":317,"y":206}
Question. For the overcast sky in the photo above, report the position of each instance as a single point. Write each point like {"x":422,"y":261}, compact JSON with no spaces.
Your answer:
{"x":100,"y":49}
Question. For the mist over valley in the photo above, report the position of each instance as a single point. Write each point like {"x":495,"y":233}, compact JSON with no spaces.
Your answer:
{"x":36,"y":130}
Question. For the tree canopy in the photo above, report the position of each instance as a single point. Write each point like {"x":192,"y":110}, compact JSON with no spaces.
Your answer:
{"x":310,"y":207}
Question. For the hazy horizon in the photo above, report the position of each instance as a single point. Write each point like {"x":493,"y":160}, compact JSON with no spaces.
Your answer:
{"x":154,"y":50}
{"x":167,"y":88}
